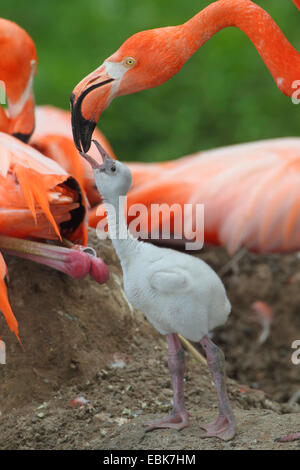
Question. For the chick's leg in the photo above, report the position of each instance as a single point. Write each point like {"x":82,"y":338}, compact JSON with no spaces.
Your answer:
{"x":179,"y":418}
{"x":224,"y":426}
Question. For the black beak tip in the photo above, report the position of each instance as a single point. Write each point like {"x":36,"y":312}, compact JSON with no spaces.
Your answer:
{"x":87,"y":128}
{"x":82,"y":128}
{"x":23,"y":137}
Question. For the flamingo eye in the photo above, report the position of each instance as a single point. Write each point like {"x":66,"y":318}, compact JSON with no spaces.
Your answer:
{"x":129,"y":62}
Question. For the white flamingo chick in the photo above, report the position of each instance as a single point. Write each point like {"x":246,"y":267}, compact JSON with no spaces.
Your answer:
{"x":179,"y":294}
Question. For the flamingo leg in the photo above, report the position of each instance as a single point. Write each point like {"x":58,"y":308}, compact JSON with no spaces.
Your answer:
{"x":179,"y":417}
{"x":224,"y":427}
{"x":76,"y":261}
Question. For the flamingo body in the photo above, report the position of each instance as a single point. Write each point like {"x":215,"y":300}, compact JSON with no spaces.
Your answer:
{"x":249,"y":191}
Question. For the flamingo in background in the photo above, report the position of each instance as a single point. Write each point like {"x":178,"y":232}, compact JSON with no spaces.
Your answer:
{"x":150,"y":58}
{"x":18,"y":61}
{"x":250,"y":193}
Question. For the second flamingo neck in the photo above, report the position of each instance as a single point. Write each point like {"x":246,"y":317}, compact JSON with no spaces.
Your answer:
{"x":281,"y":58}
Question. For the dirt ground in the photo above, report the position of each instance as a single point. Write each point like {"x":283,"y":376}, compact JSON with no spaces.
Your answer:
{"x":83,"y":342}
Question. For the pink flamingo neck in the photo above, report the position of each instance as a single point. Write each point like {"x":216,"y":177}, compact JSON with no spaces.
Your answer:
{"x":297,"y":3}
{"x":281,"y":58}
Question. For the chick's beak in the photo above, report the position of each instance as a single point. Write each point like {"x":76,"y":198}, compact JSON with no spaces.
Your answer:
{"x":89,"y":98}
{"x":108,"y":162}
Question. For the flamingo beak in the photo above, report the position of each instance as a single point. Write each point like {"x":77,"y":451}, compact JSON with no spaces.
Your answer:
{"x":22,"y":126}
{"x":88,"y":100}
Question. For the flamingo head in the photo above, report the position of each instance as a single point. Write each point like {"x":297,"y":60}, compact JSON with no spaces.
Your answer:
{"x":18,"y":66}
{"x":145,"y":60}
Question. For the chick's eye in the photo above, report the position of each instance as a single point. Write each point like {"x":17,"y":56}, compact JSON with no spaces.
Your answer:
{"x":129,"y":62}
{"x":113,"y":169}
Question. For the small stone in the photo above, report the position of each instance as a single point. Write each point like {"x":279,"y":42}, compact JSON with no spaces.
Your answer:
{"x":79,"y":401}
{"x":119,"y":361}
{"x":121,"y":421}
{"x":43,"y":405}
{"x":103,"y":417}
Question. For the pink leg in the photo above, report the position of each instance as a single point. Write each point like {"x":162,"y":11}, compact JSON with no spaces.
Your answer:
{"x":179,"y":418}
{"x":289,"y":437}
{"x":75,"y":261}
{"x":224,"y":426}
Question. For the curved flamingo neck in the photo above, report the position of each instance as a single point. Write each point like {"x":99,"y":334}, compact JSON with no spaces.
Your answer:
{"x":4,"y":120}
{"x":281,"y":58}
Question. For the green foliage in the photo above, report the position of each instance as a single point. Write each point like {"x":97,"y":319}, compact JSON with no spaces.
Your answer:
{"x":223,"y":95}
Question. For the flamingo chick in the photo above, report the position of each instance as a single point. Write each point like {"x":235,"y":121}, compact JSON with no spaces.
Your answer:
{"x":178,"y":293}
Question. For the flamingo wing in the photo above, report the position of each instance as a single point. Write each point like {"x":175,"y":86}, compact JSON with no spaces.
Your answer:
{"x":36,"y":194}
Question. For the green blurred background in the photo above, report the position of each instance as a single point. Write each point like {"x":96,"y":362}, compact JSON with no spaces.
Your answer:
{"x":223,"y":95}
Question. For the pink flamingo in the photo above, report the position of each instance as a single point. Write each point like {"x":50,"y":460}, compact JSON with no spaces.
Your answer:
{"x":250,"y":194}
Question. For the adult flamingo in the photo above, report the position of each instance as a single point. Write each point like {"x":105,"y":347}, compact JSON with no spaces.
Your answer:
{"x":40,"y":201}
{"x":18,"y":62}
{"x":150,"y":58}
